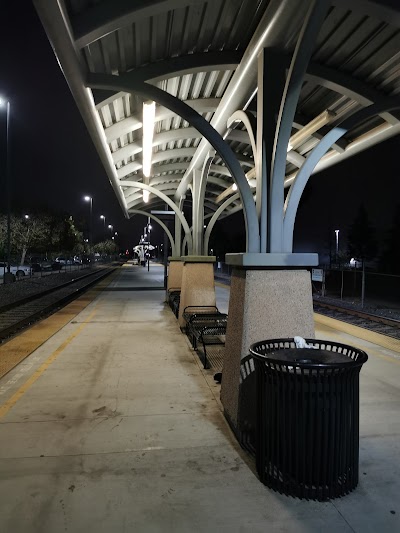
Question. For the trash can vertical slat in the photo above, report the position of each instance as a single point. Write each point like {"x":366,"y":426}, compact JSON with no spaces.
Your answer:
{"x":308,"y":417}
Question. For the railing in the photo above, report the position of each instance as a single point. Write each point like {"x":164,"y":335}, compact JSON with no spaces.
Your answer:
{"x":345,"y":283}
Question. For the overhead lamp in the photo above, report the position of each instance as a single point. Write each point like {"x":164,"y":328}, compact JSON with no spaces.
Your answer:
{"x":149,"y":112}
{"x":146,"y":195}
{"x":317,"y":123}
{"x":233,"y":188}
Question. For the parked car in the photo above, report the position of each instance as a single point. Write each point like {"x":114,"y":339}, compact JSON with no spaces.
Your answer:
{"x":64,"y":260}
{"x":18,"y":270}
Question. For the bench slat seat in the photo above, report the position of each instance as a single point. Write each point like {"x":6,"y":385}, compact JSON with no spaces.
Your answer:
{"x":205,"y":327}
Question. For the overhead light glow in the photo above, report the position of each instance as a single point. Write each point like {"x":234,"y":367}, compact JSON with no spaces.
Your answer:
{"x":234,"y":187}
{"x":310,"y":128}
{"x":149,"y":111}
{"x":146,"y":195}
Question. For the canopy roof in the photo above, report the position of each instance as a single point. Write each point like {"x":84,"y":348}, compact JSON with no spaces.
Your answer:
{"x":205,"y":54}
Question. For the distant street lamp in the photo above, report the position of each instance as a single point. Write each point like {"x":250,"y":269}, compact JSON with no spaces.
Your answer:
{"x":26,"y":217}
{"x":110,"y":227}
{"x":337,"y":244}
{"x":90,"y":200}
{"x":4,"y":102}
{"x":103,"y":218}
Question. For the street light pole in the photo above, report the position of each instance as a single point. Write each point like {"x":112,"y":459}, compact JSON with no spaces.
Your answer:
{"x":103,"y":218}
{"x":8,"y":190}
{"x":90,"y":199}
{"x":337,"y":244}
{"x":8,"y":186}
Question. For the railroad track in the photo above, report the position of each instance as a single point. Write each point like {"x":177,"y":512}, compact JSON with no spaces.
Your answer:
{"x":19,"y":314}
{"x":379,"y":324}
{"x":370,"y":321}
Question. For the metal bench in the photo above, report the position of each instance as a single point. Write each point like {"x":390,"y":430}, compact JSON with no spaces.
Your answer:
{"x":174,"y":296}
{"x":205,"y":325}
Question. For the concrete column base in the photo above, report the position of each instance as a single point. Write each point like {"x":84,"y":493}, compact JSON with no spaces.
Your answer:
{"x":198,"y":286}
{"x":264,"y":304}
{"x":174,"y":274}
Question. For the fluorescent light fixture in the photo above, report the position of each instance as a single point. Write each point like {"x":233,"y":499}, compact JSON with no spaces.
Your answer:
{"x":310,"y":128}
{"x":233,"y":188}
{"x":146,"y":195}
{"x":149,"y":111}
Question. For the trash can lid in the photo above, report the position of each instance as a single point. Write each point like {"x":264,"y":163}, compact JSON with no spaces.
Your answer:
{"x":306,"y":357}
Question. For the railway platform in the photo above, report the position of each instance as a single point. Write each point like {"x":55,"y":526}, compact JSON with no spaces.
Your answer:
{"x":111,"y":424}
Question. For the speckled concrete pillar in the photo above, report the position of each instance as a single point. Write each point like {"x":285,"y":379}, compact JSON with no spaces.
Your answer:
{"x":174,"y":274}
{"x":197,"y":283}
{"x":264,"y":304}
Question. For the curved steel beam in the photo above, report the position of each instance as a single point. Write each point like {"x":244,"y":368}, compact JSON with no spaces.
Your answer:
{"x":53,"y":17}
{"x":176,"y":153}
{"x":168,"y":136}
{"x":160,"y":222}
{"x":133,"y":166}
{"x":385,"y":11}
{"x":105,"y":17}
{"x":135,"y":199}
{"x":205,"y":129}
{"x":298,"y":66}
{"x":215,"y":217}
{"x":174,"y":67}
{"x":280,"y":19}
{"x":172,"y":167}
{"x":167,"y":200}
{"x":249,"y":123}
{"x":161,"y":138}
{"x":303,"y":175}
{"x":344,"y":84}
{"x":169,"y":167}
{"x":160,"y":187}
{"x":198,"y":207}
{"x":134,"y":122}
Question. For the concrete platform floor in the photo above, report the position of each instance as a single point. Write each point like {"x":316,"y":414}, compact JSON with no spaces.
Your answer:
{"x":113,"y":426}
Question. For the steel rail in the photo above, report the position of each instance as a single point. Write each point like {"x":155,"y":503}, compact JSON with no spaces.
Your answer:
{"x":36,"y":295}
{"x":14,"y":323}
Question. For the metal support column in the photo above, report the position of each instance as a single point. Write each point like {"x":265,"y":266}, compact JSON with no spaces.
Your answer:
{"x":301,"y":56}
{"x":197,"y":213}
{"x":271,"y":83}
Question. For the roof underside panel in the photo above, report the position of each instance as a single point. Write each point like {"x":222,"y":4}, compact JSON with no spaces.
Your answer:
{"x":356,"y":62}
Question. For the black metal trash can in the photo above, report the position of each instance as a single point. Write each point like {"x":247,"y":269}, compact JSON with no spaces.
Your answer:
{"x":308,"y":417}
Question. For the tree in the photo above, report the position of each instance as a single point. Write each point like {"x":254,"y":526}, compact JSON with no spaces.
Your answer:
{"x":361,"y":241}
{"x":25,"y":234}
{"x":390,"y":259}
{"x":106,"y":247}
{"x":42,"y":232}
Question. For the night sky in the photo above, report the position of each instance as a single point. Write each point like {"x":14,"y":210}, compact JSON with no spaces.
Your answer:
{"x":54,"y":162}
